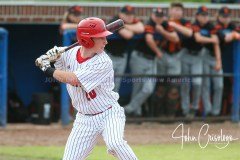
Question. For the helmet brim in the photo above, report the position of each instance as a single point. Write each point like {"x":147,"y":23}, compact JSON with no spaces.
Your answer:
{"x":102,"y":34}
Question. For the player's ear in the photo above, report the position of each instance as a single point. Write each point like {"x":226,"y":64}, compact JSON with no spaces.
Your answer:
{"x":86,"y":42}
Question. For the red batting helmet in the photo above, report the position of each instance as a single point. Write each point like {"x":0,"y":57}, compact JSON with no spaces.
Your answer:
{"x":89,"y":28}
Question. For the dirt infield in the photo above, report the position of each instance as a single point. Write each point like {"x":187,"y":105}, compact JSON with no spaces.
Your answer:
{"x":146,"y":133}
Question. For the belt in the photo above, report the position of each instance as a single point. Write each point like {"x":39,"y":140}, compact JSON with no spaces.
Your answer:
{"x":172,"y":53}
{"x":193,"y":52}
{"x":150,"y":57}
{"x":96,"y":113}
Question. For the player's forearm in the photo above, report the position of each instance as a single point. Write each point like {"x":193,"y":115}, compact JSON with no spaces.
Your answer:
{"x":66,"y":77}
{"x":170,"y":36}
{"x":136,"y":28}
{"x":155,"y":48}
{"x":183,"y":30}
{"x":68,"y":26}
{"x":202,"y":39}
{"x":151,"y":43}
{"x":231,"y":37}
{"x":217,"y":52}
{"x":126,"y":34}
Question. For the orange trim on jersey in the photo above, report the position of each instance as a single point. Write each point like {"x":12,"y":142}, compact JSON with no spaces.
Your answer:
{"x":195,"y":28}
{"x":149,"y":29}
{"x":79,"y":58}
{"x":136,"y":20}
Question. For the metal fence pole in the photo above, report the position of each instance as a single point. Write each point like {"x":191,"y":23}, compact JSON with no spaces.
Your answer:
{"x":236,"y":84}
{"x":3,"y":76}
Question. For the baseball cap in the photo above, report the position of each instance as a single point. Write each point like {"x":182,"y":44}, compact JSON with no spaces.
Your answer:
{"x":224,"y":11}
{"x":158,"y":12}
{"x":203,"y":10}
{"x":76,"y":10}
{"x":127,"y":9}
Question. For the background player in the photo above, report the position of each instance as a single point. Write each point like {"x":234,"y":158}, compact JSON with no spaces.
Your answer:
{"x":143,"y":62}
{"x":212,"y":63}
{"x":71,"y":18}
{"x":89,"y":75}
{"x":227,"y":32}
{"x":117,"y":48}
{"x":174,"y":31}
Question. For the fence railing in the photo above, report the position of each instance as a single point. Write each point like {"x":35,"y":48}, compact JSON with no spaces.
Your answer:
{"x":52,"y":12}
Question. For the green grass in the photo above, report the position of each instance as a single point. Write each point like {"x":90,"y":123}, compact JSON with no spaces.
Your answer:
{"x":148,"y":152}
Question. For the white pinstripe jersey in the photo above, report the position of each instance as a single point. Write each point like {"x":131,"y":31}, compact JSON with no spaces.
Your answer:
{"x":96,"y":76}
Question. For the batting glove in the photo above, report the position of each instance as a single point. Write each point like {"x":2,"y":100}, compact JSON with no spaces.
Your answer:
{"x":45,"y":65}
{"x":38,"y":61}
{"x":54,"y":53}
{"x":43,"y":62}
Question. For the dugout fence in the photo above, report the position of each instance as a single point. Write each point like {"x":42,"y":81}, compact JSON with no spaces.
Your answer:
{"x":49,"y":14}
{"x":70,"y":34}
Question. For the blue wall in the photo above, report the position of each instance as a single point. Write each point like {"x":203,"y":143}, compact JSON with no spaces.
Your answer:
{"x":26,"y":43}
{"x":3,"y":76}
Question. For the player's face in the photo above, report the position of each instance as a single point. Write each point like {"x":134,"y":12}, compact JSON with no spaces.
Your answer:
{"x":74,"y":19}
{"x":202,"y":19}
{"x":157,"y":19}
{"x":225,"y":20}
{"x":127,"y":18}
{"x":176,"y":12}
{"x":99,"y":44}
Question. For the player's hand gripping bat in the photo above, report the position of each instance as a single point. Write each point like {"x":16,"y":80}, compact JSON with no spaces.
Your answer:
{"x":112,"y":27}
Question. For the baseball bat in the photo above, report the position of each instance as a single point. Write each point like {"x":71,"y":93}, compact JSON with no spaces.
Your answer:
{"x":112,"y":27}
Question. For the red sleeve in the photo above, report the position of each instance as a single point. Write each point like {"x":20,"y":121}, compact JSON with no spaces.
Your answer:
{"x":237,"y":29}
{"x":136,"y":20}
{"x":170,"y":29}
{"x":195,"y":28}
{"x":188,"y":25}
{"x":215,"y":29}
{"x":149,"y":29}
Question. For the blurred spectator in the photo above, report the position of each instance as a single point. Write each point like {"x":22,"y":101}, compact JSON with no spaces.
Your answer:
{"x":192,"y":63}
{"x":227,"y":32}
{"x":143,"y":62}
{"x":175,"y":32}
{"x":117,"y":47}
{"x":211,"y":61}
{"x":71,"y":18}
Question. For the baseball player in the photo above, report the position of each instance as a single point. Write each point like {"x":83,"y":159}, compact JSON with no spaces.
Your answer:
{"x":143,"y":62}
{"x":211,"y":61}
{"x":71,"y":18}
{"x":227,"y":32}
{"x":192,"y":63}
{"x":174,"y":31}
{"x":87,"y":70}
{"x":117,"y":48}
{"x":172,"y":48}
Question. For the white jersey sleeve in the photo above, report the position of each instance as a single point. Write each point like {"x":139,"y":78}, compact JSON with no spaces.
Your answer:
{"x":93,"y":74}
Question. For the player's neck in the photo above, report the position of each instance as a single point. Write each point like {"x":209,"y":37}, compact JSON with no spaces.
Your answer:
{"x":86,"y":53}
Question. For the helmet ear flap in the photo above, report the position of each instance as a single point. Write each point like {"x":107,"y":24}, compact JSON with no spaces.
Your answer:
{"x":86,"y":42}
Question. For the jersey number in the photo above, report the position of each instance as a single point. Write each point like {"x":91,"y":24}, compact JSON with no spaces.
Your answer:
{"x":91,"y":95}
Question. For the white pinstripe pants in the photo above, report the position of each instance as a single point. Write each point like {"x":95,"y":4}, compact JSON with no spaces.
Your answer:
{"x":86,"y":129}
